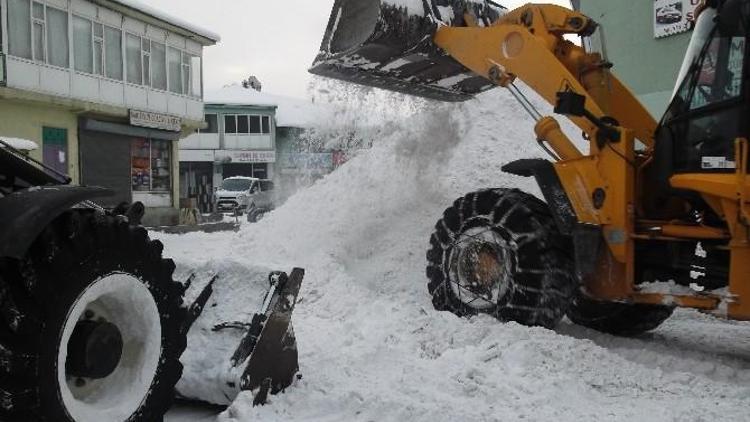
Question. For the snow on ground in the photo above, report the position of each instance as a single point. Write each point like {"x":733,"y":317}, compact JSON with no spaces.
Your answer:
{"x":371,"y":345}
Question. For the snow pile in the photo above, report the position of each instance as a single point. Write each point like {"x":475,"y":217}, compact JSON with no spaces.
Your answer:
{"x":371,"y":345}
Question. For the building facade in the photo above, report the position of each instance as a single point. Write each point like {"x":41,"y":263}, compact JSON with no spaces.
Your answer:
{"x":237,"y":140}
{"x":646,"y":41}
{"x":106,"y":88}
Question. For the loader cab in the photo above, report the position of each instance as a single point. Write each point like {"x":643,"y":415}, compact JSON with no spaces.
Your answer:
{"x":709,"y":108}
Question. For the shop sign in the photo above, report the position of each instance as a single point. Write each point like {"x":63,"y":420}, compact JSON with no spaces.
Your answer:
{"x":246,"y":156}
{"x":155,"y":120}
{"x":674,"y":16}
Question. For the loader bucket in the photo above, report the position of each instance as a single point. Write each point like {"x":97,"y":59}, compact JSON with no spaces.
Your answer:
{"x":389,"y":44}
{"x":239,"y":340}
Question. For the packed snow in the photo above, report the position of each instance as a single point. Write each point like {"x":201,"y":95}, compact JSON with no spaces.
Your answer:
{"x":20,"y":144}
{"x":373,"y":348}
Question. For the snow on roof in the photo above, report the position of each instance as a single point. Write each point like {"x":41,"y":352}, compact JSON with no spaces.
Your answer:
{"x":290,"y":112}
{"x":20,"y":144}
{"x":171,"y":19}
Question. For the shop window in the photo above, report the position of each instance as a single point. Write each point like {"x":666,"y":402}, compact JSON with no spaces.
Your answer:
{"x":230,"y":123}
{"x":151,"y":165}
{"x":242,"y":125}
{"x":113,"y":53}
{"x":133,"y":59}
{"x":83,"y":57}
{"x":266,"y":120}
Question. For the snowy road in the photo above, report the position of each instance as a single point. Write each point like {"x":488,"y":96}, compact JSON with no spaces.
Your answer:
{"x":371,"y":346}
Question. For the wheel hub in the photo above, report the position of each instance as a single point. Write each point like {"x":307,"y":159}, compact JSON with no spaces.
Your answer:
{"x":94,"y":349}
{"x":480,"y":263}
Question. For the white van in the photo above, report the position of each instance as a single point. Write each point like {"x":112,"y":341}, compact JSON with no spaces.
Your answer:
{"x":241,"y":194}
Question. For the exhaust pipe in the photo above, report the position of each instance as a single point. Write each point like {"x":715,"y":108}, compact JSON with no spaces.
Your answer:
{"x":389,"y":44}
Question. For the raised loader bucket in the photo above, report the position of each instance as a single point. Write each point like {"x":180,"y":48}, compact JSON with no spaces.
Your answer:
{"x":388,"y":44}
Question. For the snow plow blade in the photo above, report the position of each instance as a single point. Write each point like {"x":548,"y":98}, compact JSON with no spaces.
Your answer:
{"x":382,"y":44}
{"x":257,"y":352}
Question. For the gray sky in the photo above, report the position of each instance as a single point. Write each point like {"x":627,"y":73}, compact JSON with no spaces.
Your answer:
{"x":275,"y":40}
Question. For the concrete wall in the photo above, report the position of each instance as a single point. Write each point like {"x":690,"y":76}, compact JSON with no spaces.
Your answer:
{"x":647,"y":65}
{"x":25,"y":120}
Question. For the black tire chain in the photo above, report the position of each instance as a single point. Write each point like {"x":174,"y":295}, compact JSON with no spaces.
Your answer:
{"x":542,"y":285}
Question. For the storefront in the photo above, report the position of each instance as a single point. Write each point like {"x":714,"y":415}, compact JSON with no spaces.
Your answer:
{"x":137,"y":163}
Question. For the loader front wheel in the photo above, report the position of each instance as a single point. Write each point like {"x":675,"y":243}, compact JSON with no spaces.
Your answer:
{"x":498,"y":251}
{"x":90,"y":324}
{"x":620,"y":319}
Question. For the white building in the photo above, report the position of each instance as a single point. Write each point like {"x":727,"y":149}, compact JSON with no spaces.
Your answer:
{"x":106,"y":87}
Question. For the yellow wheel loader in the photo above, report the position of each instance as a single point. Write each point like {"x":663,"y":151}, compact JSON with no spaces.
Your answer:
{"x":652,"y":217}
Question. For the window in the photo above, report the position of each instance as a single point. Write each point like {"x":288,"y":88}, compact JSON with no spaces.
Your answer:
{"x":174,"y":66}
{"x":186,"y":85}
{"x":158,"y":66}
{"x":242,"y":126}
{"x":248,"y":124}
{"x":212,"y":124}
{"x":146,"y":60}
{"x":98,"y":49}
{"x":57,"y":37}
{"x":195,"y":73}
{"x":113,"y":53}
{"x":720,"y":73}
{"x":83,"y":56}
{"x":38,"y":32}
{"x":133,"y":59}
{"x":230,"y":123}
{"x":150,"y":163}
{"x":254,"y":124}
{"x":19,"y":28}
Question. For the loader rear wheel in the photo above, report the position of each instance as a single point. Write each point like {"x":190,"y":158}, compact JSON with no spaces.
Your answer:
{"x":498,"y":251}
{"x":90,"y":325}
{"x":620,"y":319}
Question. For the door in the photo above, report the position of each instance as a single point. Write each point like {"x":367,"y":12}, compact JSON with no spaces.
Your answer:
{"x":55,"y":148}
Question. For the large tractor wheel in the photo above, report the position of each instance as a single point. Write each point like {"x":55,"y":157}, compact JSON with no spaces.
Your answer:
{"x":620,"y":319}
{"x":90,"y":325}
{"x":498,"y":251}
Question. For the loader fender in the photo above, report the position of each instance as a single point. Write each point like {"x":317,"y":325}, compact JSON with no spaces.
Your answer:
{"x":25,"y":214}
{"x":586,"y":237}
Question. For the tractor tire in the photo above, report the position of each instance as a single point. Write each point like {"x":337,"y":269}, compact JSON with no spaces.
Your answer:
{"x":498,"y":251}
{"x":619,"y":319}
{"x":91,"y":324}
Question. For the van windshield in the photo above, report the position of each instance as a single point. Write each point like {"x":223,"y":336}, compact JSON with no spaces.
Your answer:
{"x":236,"y":185}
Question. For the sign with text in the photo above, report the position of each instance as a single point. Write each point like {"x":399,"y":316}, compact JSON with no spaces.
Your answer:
{"x":674,"y":16}
{"x":155,"y":120}
{"x":246,"y":156}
